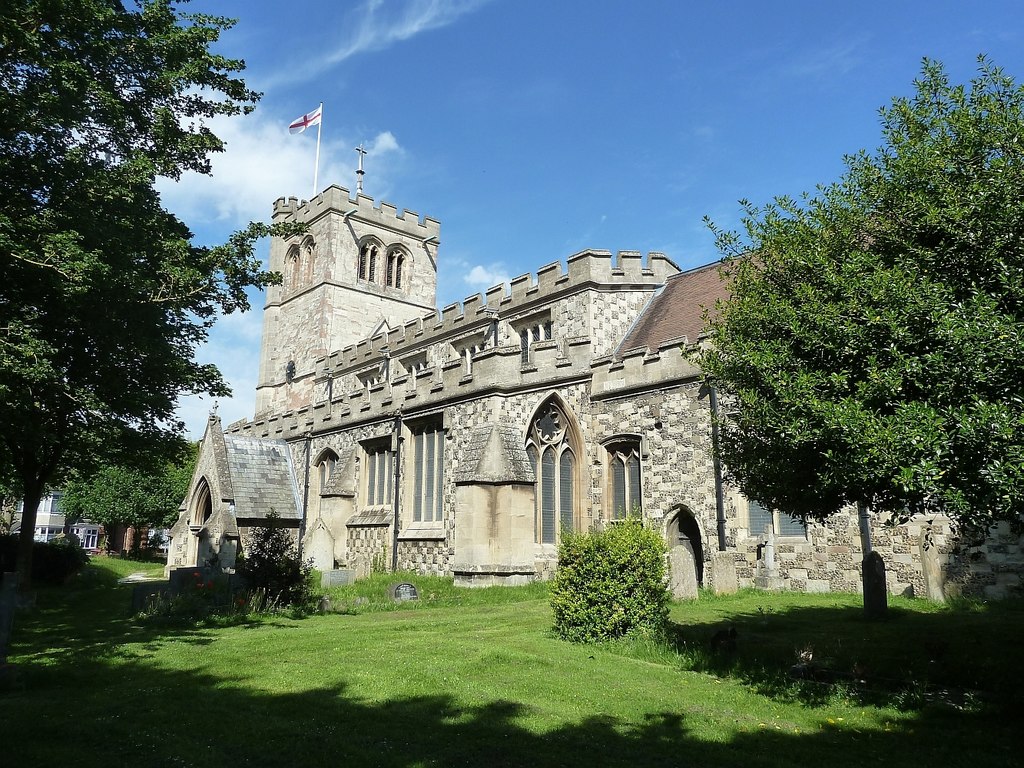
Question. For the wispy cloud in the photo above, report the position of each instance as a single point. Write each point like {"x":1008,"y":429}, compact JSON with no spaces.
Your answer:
{"x":837,"y":59}
{"x":375,"y":26}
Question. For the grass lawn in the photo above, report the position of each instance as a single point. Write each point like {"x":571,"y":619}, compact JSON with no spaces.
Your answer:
{"x":475,"y":678}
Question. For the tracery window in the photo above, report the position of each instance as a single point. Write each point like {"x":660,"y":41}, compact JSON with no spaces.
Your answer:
{"x":550,"y":448}
{"x":624,"y":477}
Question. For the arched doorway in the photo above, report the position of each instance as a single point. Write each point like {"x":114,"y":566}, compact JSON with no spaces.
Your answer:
{"x":199,"y":519}
{"x":686,"y":551}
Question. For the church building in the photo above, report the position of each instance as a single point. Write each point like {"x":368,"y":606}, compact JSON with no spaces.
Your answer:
{"x":464,"y":442}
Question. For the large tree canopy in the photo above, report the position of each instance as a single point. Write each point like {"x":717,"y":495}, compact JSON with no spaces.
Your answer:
{"x":131,"y":496}
{"x":105,"y":296}
{"x":873,"y":347}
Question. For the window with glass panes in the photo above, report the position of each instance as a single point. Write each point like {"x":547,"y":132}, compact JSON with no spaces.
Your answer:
{"x":624,"y":477}
{"x":760,"y":517}
{"x":555,"y":467}
{"x":428,"y":473}
{"x":380,"y":475}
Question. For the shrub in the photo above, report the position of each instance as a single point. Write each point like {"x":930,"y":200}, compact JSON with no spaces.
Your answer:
{"x":610,"y":583}
{"x":271,"y":565}
{"x":53,"y":562}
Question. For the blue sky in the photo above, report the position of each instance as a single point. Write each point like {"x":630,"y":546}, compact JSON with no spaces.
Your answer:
{"x":533,"y":130}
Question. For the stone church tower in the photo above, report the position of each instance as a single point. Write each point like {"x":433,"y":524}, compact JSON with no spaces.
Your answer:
{"x":358,"y":271}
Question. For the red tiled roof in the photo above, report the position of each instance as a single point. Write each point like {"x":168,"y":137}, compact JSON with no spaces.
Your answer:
{"x":677,"y":310}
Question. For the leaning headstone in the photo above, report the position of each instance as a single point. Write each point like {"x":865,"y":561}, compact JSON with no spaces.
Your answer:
{"x":723,"y":573}
{"x":8,"y":601}
{"x":931,"y":567}
{"x":876,"y":597}
{"x":403,"y":591}
{"x":682,"y":576}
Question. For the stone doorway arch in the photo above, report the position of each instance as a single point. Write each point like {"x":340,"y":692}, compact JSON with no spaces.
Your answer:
{"x":199,"y":520}
{"x":685,"y":552}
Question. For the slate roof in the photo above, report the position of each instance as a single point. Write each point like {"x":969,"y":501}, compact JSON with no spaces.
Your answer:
{"x":677,"y":309}
{"x":262,"y":477}
{"x":495,"y":454}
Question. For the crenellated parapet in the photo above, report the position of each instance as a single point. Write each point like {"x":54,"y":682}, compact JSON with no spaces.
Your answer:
{"x":588,"y":270}
{"x":337,"y":199}
{"x":642,"y":369}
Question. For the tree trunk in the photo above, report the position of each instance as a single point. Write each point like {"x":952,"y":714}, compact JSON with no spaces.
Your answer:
{"x":33,"y":495}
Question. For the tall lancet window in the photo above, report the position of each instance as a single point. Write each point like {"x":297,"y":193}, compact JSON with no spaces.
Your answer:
{"x":553,"y":454}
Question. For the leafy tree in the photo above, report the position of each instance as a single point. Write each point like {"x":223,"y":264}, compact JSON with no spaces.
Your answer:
{"x":130,"y":496}
{"x":873,"y":345}
{"x":105,"y":296}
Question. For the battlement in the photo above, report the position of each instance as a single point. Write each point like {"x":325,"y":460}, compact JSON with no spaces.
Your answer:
{"x":587,"y":269}
{"x":361,"y":208}
{"x":640,"y":369}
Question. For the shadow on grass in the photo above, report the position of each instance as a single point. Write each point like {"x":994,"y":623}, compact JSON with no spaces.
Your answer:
{"x":141,"y":714}
{"x":176,"y":718}
{"x":955,"y":657}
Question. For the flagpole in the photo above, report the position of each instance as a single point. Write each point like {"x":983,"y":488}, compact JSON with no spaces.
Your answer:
{"x":316,"y":165}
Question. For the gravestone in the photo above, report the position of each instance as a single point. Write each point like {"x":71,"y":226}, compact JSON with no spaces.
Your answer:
{"x":337,"y":577}
{"x":767,"y":576}
{"x":403,"y":591}
{"x":876,"y":597}
{"x":682,"y":573}
{"x":931,"y":568}
{"x":8,"y":602}
{"x":723,"y":573}
{"x":144,"y":594}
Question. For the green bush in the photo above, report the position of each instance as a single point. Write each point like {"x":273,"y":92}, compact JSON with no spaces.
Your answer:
{"x":53,"y":562}
{"x":271,"y":566}
{"x":610,"y":583}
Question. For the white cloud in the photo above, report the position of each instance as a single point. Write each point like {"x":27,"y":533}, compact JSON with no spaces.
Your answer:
{"x":375,"y":26}
{"x":486,"y":276}
{"x":262,"y":162}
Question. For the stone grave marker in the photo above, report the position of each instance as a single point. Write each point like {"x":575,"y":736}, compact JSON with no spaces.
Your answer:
{"x":723,"y":573}
{"x":403,"y":591}
{"x":876,"y":597}
{"x":931,"y":567}
{"x":682,"y":573}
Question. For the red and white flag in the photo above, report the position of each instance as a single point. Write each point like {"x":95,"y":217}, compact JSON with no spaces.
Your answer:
{"x":302,"y":123}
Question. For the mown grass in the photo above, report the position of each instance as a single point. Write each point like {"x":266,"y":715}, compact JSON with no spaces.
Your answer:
{"x":481,"y":680}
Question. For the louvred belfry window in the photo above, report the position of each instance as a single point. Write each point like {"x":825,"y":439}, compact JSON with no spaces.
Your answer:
{"x":553,"y":457}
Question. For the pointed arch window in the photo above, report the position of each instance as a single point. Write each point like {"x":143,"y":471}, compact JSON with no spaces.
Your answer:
{"x":624,"y":477}
{"x":367,"y":266}
{"x":395,"y":267}
{"x":553,"y":455}
{"x":326,"y":466}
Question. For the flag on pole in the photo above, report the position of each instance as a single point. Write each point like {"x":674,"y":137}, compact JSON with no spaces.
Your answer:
{"x":302,"y":123}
